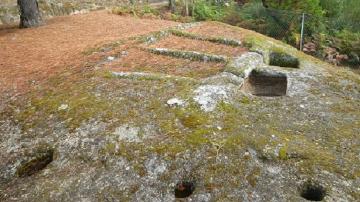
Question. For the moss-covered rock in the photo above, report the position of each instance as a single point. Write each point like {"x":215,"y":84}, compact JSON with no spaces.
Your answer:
{"x":231,"y":150}
{"x":219,"y":40}
{"x":191,"y":55}
{"x":283,"y":60}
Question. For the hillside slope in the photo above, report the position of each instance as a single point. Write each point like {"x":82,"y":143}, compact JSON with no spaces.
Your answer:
{"x":193,"y":111}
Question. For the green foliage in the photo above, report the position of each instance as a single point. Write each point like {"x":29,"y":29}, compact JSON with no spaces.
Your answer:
{"x":349,"y":44}
{"x":136,"y":10}
{"x":312,"y":7}
{"x":349,"y":41}
{"x":179,"y":18}
{"x":328,"y":23}
{"x":206,"y":10}
{"x":331,"y":7}
{"x":256,"y":17}
{"x":342,"y":14}
{"x":351,"y":14}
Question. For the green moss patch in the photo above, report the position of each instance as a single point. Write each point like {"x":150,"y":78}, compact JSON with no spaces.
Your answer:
{"x":283,"y":60}
{"x":218,"y":40}
{"x":191,"y":55}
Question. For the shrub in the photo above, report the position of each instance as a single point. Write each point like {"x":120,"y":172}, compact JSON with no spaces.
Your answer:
{"x":349,"y":43}
{"x":136,"y":10}
{"x":206,"y":11}
{"x":212,"y":10}
{"x":123,"y":10}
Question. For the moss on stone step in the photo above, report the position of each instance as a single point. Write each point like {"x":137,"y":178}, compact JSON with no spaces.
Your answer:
{"x":283,"y":60}
{"x":191,"y":55}
{"x":218,"y":40}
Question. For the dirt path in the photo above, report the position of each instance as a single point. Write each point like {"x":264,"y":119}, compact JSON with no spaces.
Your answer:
{"x":31,"y":55}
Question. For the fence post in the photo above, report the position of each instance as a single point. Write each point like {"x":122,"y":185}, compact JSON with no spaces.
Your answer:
{"x":302,"y":32}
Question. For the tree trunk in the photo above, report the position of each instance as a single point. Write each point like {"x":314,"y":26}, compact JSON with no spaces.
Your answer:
{"x":29,"y":13}
{"x":193,"y":8}
{"x":265,"y":3}
{"x":186,"y":7}
{"x":172,"y":6}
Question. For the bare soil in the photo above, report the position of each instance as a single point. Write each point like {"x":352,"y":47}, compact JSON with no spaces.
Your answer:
{"x":30,"y":56}
{"x":214,"y":29}
{"x":140,"y":60}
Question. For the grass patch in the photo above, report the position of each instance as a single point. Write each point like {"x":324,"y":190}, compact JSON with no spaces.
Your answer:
{"x":192,"y":117}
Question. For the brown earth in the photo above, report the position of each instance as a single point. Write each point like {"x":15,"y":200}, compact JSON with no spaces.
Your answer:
{"x":215,"y":29}
{"x":140,"y":60}
{"x":30,"y":56}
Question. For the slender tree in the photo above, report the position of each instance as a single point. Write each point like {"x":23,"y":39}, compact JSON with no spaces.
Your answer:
{"x":29,"y":13}
{"x":186,"y":3}
{"x":172,"y":6}
{"x":264,"y":3}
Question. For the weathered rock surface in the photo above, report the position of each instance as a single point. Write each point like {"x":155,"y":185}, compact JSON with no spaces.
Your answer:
{"x":9,"y":11}
{"x":117,"y":139}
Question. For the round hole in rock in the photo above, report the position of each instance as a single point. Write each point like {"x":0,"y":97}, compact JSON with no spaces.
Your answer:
{"x":313,"y":192}
{"x":39,"y":162}
{"x":184,"y":189}
{"x":266,"y":83}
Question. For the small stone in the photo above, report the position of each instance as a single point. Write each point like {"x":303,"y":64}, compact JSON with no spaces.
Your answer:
{"x":63,"y":107}
{"x":124,"y":53}
{"x":208,"y":96}
{"x":206,"y":58}
{"x":110,"y":58}
{"x":128,"y":133}
{"x":175,"y":102}
{"x":151,"y":39}
{"x":155,"y":167}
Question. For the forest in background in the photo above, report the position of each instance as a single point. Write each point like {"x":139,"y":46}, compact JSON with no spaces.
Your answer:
{"x":331,"y":27}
